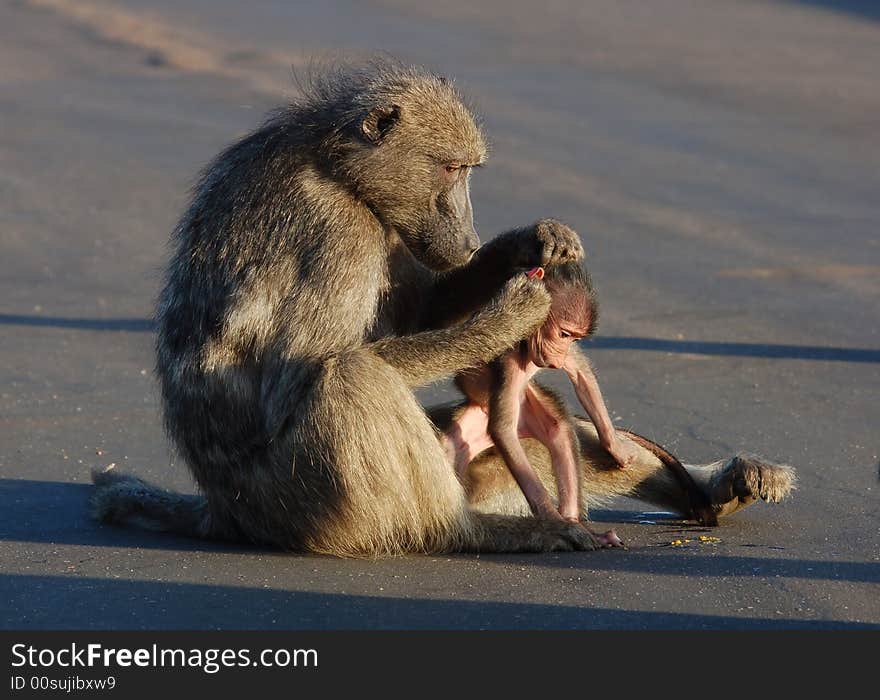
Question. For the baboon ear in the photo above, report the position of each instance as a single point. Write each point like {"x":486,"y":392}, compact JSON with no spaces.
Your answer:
{"x":379,"y":122}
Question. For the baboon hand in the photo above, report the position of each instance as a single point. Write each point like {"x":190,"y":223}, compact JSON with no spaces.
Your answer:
{"x":550,"y":242}
{"x":525,"y":302}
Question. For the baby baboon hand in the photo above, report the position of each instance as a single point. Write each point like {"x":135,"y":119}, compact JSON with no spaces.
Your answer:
{"x":624,"y":452}
{"x":551,"y":242}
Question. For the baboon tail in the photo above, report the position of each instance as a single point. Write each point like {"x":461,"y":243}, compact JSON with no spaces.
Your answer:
{"x":123,"y":499}
{"x":700,"y":505}
{"x":512,"y":533}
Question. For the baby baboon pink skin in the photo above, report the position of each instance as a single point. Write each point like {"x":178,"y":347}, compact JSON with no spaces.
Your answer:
{"x":505,"y":405}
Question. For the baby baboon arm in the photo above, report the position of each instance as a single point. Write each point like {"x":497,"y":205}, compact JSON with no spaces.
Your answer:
{"x":458,"y":292}
{"x":579,"y":371}
{"x":430,"y":355}
{"x":543,"y":420}
{"x":505,"y":402}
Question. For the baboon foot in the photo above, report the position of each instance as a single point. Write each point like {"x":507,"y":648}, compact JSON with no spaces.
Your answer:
{"x":506,"y":533}
{"x":582,"y":538}
{"x":744,"y":479}
{"x":564,"y":536}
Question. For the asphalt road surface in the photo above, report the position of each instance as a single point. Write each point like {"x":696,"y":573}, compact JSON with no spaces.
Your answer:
{"x":722,"y":163}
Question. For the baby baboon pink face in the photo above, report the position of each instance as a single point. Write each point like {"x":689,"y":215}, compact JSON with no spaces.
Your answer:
{"x":572,"y":316}
{"x":549,"y":345}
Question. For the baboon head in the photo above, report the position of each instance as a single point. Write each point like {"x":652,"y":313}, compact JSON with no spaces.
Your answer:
{"x":407,"y":144}
{"x":574,"y":312}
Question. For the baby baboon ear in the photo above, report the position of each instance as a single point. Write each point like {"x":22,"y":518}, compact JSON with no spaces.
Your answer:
{"x":379,"y":122}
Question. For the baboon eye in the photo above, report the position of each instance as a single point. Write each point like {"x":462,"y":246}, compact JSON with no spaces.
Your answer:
{"x":565,"y":334}
{"x":452,"y":168}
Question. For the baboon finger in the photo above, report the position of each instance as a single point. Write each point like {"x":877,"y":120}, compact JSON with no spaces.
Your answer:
{"x":548,"y":249}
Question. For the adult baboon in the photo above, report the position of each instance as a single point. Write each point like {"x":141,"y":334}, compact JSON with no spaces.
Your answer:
{"x":326,"y":265}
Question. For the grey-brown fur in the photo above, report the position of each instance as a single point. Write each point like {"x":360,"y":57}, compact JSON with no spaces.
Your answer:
{"x":321,"y":270}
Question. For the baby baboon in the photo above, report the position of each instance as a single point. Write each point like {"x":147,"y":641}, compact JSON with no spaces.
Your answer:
{"x":327,"y":264}
{"x":505,"y":404}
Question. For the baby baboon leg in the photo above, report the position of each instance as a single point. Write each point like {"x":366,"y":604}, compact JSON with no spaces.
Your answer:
{"x":466,"y":437}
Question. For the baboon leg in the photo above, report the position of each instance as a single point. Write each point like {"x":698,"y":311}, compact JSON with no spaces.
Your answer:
{"x":739,"y":481}
{"x":726,"y":485}
{"x":729,"y":485}
{"x":466,"y":437}
{"x":700,"y":508}
{"x":124,"y":499}
{"x":392,"y":489}
{"x":523,"y":533}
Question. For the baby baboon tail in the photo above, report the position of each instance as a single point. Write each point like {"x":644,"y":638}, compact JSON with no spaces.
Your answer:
{"x":123,"y":499}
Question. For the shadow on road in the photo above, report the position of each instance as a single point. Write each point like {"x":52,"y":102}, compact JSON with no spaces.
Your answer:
{"x":867,"y":9}
{"x":766,"y":350}
{"x":693,"y":347}
{"x":56,"y":513}
{"x":662,"y":563}
{"x":131,"y":325}
{"x":71,"y":602}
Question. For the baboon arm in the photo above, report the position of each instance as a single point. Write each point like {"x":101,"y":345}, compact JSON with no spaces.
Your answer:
{"x":459,"y":292}
{"x":586,"y":386}
{"x":514,"y":456}
{"x":430,"y":355}
{"x":425,"y":357}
